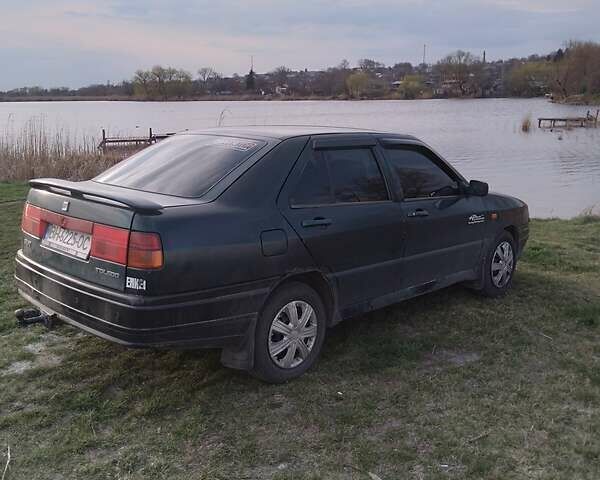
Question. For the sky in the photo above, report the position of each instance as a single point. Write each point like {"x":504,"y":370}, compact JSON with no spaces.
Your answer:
{"x":75,"y":43}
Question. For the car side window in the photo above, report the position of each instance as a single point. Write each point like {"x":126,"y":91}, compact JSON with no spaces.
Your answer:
{"x":418,"y":175}
{"x":339,"y":176}
{"x":314,"y":187}
{"x":355,"y":176}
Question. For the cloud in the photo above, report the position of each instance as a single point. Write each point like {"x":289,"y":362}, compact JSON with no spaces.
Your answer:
{"x":94,"y":41}
{"x":544,"y":6}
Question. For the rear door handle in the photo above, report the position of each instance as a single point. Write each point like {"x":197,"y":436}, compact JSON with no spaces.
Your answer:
{"x":419,"y":212}
{"x":317,"y":222}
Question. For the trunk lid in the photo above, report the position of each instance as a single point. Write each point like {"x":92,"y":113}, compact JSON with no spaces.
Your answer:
{"x":75,"y":218}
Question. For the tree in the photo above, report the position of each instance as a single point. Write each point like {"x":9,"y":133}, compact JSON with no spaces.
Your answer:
{"x":160,"y":78}
{"x":412,"y":87}
{"x":457,"y":67}
{"x":529,"y":79}
{"x":578,"y":71}
{"x":400,"y":70}
{"x":179,"y":84}
{"x":162,"y":83}
{"x":369,"y":65}
{"x":251,"y":80}
{"x":357,"y":83}
{"x":207,"y":76}
{"x":281,"y":74}
{"x":142,"y":83}
{"x":344,"y":65}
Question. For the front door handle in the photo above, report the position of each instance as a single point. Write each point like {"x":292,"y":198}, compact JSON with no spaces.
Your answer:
{"x":419,"y":212}
{"x":317,"y":222}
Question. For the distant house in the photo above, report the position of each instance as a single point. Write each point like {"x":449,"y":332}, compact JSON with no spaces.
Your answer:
{"x":448,"y":88}
{"x":397,"y":84}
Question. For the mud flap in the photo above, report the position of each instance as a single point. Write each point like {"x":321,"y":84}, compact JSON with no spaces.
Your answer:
{"x":242,"y":356}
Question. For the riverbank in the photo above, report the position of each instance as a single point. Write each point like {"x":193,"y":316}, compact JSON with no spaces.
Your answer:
{"x":231,"y":98}
{"x":581,"y":100}
{"x":446,"y":385}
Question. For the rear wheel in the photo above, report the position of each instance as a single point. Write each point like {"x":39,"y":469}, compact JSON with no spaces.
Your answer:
{"x":499,"y":266}
{"x":289,"y":333}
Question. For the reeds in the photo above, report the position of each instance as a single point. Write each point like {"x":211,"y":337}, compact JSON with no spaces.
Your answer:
{"x":526,"y":124}
{"x":35,"y":151}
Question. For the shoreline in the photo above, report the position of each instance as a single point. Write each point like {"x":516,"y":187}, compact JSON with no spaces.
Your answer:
{"x":574,"y":100}
{"x":233,"y":98}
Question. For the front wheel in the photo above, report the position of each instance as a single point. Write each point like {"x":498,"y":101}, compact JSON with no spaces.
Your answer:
{"x":289,"y":333}
{"x":499,"y":266}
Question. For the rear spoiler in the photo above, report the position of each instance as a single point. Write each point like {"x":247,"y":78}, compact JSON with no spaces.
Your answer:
{"x":96,"y":192}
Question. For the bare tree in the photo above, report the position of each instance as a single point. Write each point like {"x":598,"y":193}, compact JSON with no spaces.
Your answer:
{"x":207,"y":76}
{"x":344,"y":65}
{"x":369,"y":65}
{"x":281,"y":74}
{"x":457,"y":67}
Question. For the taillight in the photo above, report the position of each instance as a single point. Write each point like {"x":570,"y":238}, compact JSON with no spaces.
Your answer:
{"x":32,"y":222}
{"x":118,"y":245}
{"x":110,"y":243}
{"x":145,"y":251}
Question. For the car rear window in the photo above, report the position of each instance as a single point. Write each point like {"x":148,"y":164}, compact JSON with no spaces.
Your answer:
{"x":183,"y":165}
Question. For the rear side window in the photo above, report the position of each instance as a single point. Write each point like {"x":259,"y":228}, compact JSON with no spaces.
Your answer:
{"x":184,"y":165}
{"x":339,"y":176}
{"x":418,"y":175}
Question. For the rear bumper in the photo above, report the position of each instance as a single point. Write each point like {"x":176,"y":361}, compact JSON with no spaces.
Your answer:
{"x":215,"y":318}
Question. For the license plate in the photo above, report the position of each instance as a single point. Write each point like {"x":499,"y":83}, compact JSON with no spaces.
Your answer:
{"x":70,"y":242}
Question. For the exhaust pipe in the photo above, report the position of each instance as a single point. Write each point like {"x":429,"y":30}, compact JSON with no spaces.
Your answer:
{"x":31,"y":315}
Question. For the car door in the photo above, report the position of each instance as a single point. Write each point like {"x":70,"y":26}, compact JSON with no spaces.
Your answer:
{"x":445,"y":227}
{"x":337,"y":201}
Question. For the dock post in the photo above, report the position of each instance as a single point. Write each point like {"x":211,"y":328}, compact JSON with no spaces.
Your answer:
{"x":102,"y":145}
{"x":150,"y":136}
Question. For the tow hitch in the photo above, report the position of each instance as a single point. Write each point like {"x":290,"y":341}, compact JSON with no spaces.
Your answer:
{"x":31,"y":315}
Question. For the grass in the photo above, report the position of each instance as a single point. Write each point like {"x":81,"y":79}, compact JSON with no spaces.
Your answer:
{"x":34,"y":152}
{"x":446,"y":386}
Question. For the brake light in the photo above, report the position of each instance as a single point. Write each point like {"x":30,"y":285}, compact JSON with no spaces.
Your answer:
{"x":145,"y":251}
{"x":110,"y":243}
{"x":32,"y":222}
{"x":118,"y":245}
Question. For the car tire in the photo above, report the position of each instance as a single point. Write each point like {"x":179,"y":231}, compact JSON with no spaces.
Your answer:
{"x":499,"y":266}
{"x":288,"y":344}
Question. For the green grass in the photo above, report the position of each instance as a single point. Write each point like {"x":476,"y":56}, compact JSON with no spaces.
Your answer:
{"x":448,"y":385}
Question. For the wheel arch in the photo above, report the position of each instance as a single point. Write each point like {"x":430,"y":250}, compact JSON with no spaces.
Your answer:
{"x":318,"y":281}
{"x":514,"y":233}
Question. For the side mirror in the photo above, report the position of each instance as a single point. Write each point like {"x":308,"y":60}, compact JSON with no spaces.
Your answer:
{"x":477,"y":188}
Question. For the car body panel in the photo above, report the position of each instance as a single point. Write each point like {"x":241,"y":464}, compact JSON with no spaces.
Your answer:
{"x":362,"y":246}
{"x":445,"y":241}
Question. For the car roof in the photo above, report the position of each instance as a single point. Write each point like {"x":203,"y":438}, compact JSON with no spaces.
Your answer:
{"x":283,"y":132}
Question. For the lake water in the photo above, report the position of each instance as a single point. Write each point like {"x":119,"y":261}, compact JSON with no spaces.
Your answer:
{"x":557,"y":173}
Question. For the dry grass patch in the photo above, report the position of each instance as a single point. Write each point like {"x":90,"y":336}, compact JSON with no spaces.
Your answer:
{"x":35,"y":152}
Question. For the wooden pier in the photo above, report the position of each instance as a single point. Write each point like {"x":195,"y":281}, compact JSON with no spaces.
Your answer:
{"x":132,"y":141}
{"x":570,"y":122}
